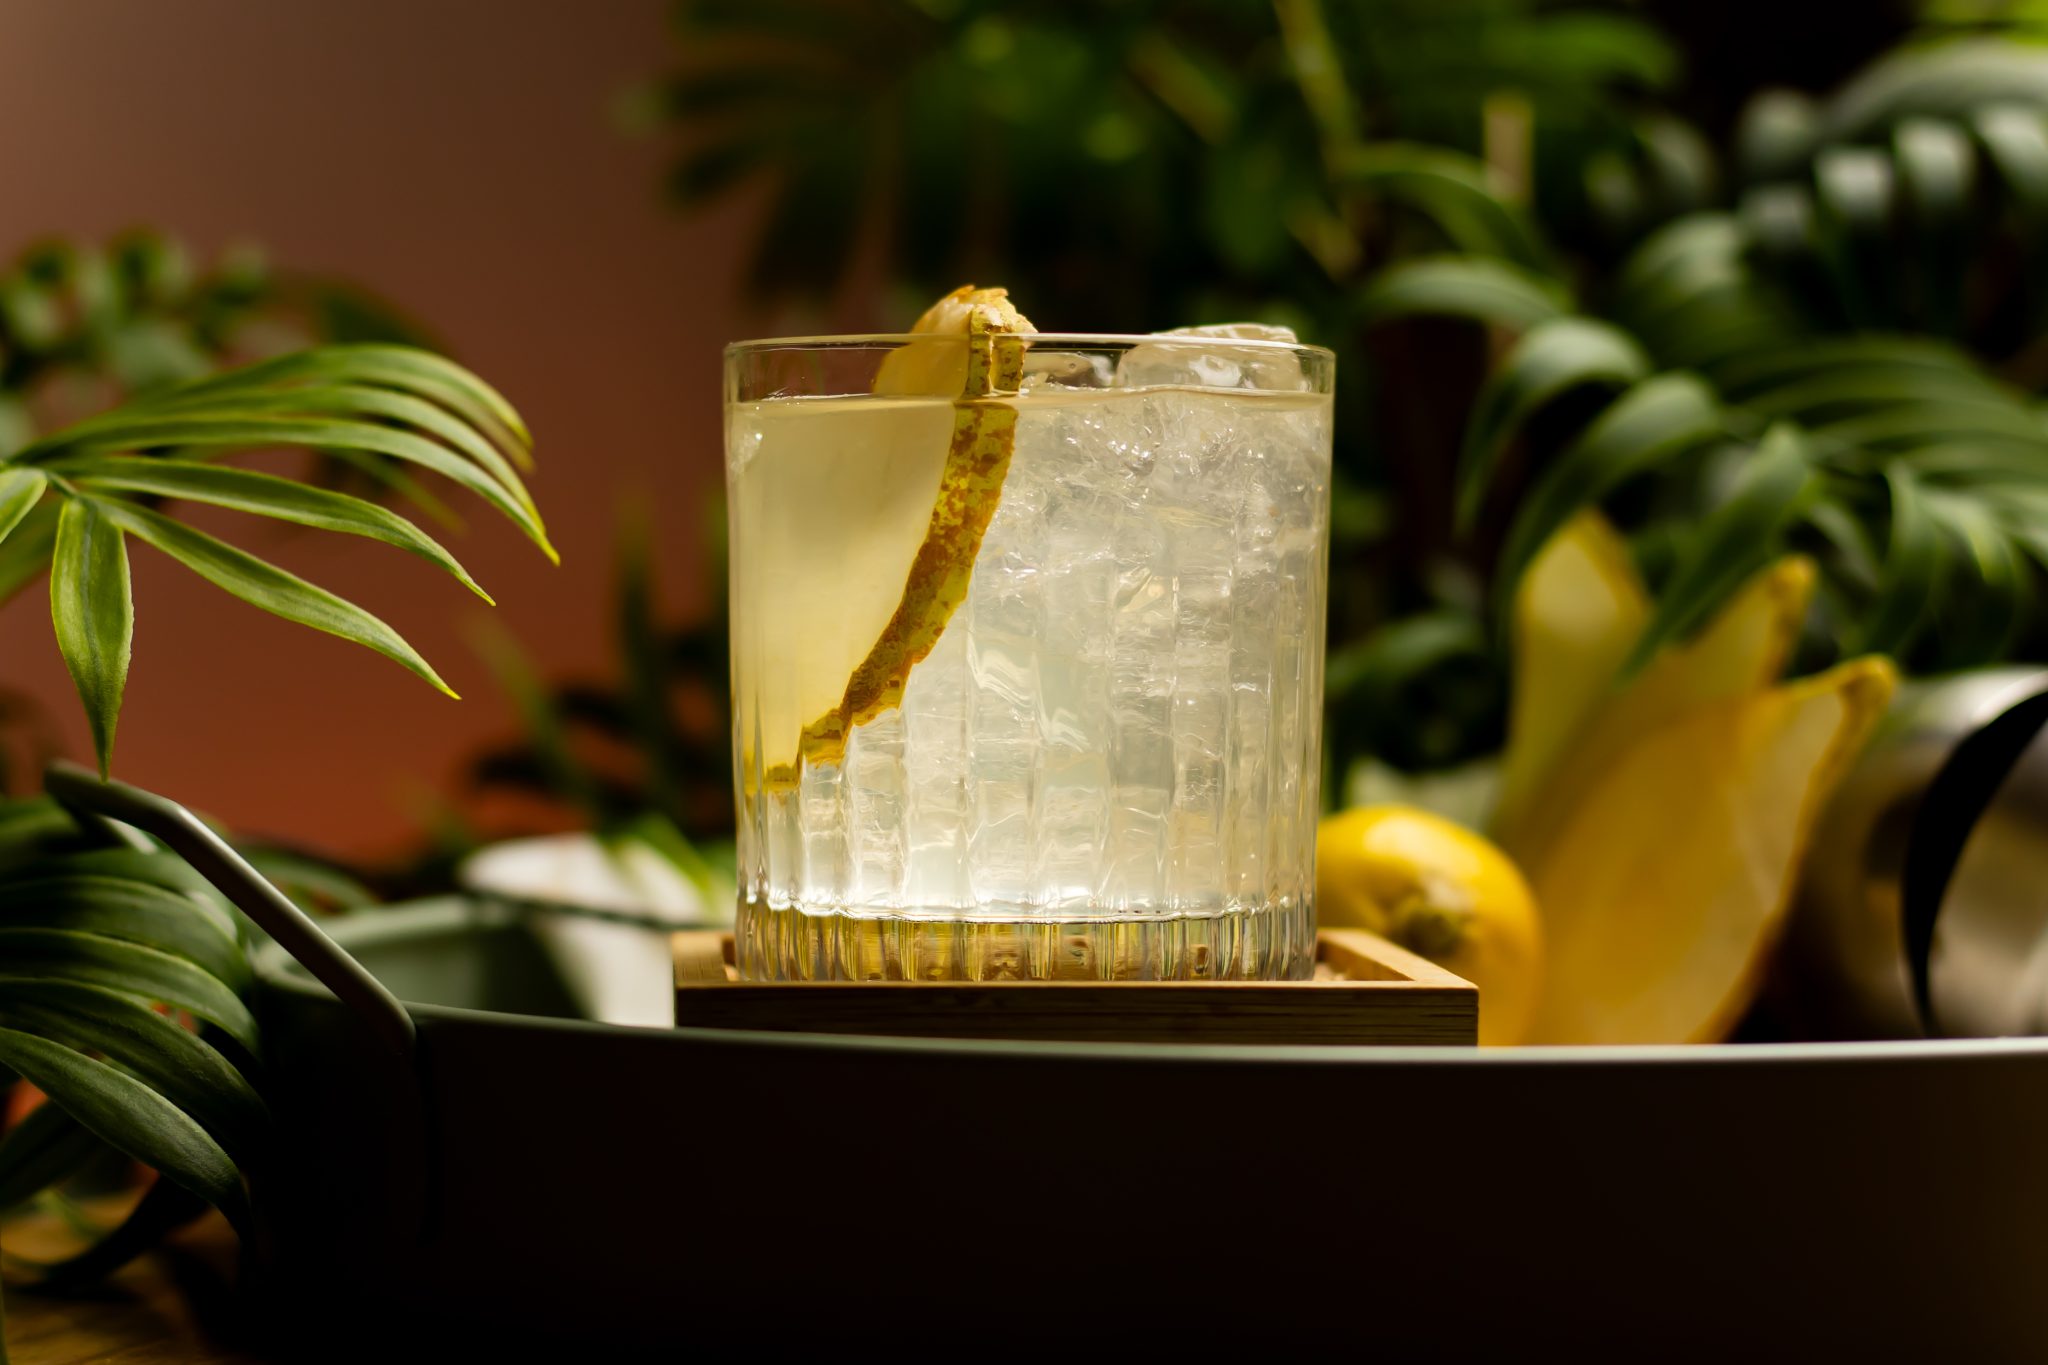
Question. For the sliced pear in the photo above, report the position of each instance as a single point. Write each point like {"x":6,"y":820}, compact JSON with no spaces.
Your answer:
{"x":938,"y":368}
{"x":861,"y":535}
{"x":1667,"y":882}
{"x":830,"y":499}
{"x":1578,"y":612}
{"x":1742,"y":650}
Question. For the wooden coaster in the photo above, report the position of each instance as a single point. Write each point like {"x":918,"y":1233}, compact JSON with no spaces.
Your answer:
{"x":1365,"y":991}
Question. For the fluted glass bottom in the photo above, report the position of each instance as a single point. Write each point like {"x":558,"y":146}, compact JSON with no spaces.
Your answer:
{"x":1275,"y":942}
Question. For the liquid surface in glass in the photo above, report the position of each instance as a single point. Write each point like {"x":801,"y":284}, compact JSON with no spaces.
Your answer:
{"x":1107,"y":765}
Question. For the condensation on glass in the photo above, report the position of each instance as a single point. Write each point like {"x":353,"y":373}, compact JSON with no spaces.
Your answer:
{"x":1107,"y":765}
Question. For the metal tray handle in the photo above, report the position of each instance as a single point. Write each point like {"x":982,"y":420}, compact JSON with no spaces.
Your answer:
{"x":86,"y":796}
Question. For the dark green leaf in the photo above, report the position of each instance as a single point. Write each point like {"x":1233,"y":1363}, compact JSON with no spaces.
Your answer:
{"x":1912,"y":570}
{"x":265,"y":585}
{"x":1657,"y":419}
{"x":136,"y":912}
{"x":1456,"y":191}
{"x":171,"y":1060}
{"x":1373,"y":670}
{"x":266,"y":495}
{"x":93,"y":609}
{"x":1739,"y":537}
{"x":129,"y":968}
{"x":130,"y":1116}
{"x":1979,"y":625}
{"x":1464,"y":286}
{"x":151,"y":867}
{"x":1550,"y":360}
{"x":1921,"y":361}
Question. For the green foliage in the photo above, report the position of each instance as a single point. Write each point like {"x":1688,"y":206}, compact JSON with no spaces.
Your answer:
{"x":105,"y":948}
{"x":121,"y":974}
{"x":98,"y":479}
{"x":644,"y":757}
{"x":1112,"y":163}
{"x":1828,"y":338}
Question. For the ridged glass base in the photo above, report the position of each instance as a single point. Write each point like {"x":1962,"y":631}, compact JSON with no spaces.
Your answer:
{"x":1274,"y":943}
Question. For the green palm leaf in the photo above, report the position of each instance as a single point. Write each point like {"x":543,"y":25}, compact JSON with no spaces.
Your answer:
{"x":173,"y":1061}
{"x":1736,"y":539}
{"x":134,"y":911}
{"x":92,"y":607}
{"x":228,"y":429}
{"x":149,"y":866}
{"x":130,"y":1116}
{"x":1464,"y":286}
{"x":265,"y":585}
{"x":247,"y":490}
{"x":1457,"y":192}
{"x":1912,"y":569}
{"x":1550,"y":360}
{"x":20,"y":490}
{"x":1659,"y":418}
{"x":130,"y":968}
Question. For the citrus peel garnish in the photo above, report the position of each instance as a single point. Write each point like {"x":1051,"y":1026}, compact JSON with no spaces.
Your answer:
{"x":982,"y":374}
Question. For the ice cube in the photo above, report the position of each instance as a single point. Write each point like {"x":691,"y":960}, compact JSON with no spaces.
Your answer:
{"x":1067,"y":370}
{"x":1258,"y":366}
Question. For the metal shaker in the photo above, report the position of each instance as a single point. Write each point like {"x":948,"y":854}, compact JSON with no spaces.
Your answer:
{"x":1923,"y":904}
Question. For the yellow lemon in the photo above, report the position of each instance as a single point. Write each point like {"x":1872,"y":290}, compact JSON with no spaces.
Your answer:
{"x":1441,"y":891}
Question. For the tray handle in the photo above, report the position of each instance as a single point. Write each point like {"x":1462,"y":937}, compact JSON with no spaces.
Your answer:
{"x":98,"y":802}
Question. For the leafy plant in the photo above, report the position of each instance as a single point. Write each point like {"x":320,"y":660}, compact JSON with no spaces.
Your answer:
{"x":105,"y":946}
{"x":643,"y":757}
{"x":1825,"y":338}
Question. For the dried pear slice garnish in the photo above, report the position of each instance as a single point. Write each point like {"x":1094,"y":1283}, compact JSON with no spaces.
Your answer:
{"x":985,"y":373}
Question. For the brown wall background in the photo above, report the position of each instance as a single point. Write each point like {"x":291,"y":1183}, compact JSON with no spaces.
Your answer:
{"x":458,"y":157}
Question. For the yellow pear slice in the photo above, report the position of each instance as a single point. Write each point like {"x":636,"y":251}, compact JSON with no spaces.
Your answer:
{"x":860,"y":520}
{"x":1742,"y":650}
{"x":1667,"y":882}
{"x":1578,"y":612}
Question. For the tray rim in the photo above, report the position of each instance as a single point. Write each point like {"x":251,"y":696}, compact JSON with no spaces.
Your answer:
{"x":275,"y":971}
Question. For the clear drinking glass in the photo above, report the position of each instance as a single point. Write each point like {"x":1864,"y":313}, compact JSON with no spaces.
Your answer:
{"x":1103,"y":760}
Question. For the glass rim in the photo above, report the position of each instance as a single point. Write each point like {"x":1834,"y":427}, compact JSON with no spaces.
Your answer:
{"x":1077,"y":340}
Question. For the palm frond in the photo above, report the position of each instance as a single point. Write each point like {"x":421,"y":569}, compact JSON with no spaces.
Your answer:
{"x":71,"y":499}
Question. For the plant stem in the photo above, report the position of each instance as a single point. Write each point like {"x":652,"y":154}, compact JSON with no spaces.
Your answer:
{"x":1312,"y":57}
{"x":1333,"y":239}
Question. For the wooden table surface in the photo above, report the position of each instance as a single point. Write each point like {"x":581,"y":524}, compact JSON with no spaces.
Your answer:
{"x":173,"y":1306}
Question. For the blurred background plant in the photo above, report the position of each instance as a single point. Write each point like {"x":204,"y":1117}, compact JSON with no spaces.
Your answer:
{"x":1624,"y":265}
{"x":84,"y":326}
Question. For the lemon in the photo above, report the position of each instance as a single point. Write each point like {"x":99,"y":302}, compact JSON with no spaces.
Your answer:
{"x":863,"y":519}
{"x":1439,"y":890}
